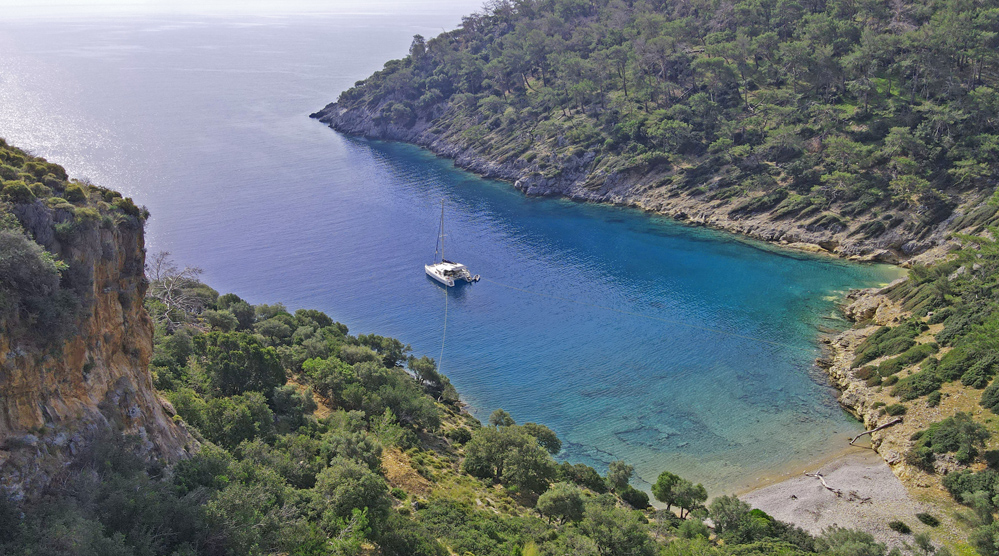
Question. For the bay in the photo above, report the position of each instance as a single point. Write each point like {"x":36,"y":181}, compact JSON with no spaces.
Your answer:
{"x":631,"y":336}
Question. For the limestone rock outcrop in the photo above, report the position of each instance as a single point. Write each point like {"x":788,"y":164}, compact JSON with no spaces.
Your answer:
{"x":56,"y":395}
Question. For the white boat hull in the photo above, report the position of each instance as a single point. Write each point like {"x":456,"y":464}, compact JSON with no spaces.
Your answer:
{"x":432,"y":271}
{"x":447,"y":273}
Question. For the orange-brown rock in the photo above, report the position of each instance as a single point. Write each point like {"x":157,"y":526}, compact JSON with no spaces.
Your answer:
{"x":54,"y":396}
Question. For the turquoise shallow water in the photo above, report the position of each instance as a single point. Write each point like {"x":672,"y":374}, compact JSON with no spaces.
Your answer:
{"x":632,"y":337}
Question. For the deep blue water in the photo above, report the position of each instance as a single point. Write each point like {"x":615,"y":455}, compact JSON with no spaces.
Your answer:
{"x":632,"y":337}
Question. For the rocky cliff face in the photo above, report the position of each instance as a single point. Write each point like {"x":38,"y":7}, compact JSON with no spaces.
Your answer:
{"x":55,"y":395}
{"x":577,"y":179}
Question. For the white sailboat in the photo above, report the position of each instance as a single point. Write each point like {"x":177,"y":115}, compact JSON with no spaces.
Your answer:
{"x":445,"y":271}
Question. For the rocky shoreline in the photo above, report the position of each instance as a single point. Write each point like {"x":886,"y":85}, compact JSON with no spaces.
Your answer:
{"x":578,"y":180}
{"x":870,"y":306}
{"x":871,"y":309}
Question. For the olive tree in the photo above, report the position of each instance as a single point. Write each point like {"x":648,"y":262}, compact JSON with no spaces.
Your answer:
{"x":562,"y":501}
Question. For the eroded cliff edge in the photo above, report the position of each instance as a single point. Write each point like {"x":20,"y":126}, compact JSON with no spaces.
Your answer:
{"x":74,"y":357}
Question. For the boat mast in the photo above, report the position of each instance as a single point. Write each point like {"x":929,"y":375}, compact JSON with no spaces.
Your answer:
{"x":439,"y":248}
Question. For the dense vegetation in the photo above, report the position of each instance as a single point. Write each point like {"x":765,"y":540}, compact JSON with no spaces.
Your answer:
{"x":42,"y":293}
{"x":315,"y":441}
{"x":876,"y":117}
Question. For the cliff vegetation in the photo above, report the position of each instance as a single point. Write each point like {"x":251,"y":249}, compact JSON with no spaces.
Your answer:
{"x":75,"y":340}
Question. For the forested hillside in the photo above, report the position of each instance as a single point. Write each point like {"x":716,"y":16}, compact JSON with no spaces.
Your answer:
{"x":869,"y":124}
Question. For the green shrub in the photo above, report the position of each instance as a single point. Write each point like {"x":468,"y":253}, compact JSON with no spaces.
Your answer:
{"x":222,"y":321}
{"x":921,"y":457}
{"x":888,"y":341}
{"x":940,"y":315}
{"x":864,"y":373}
{"x":75,"y":194}
{"x":17,"y":192}
{"x":32,"y":302}
{"x":563,"y":501}
{"x":927,"y":519}
{"x":990,"y":398}
{"x":459,"y":435}
{"x":357,"y":446}
{"x":910,"y":356}
{"x":511,"y":456}
{"x":236,"y":362}
{"x":899,"y":527}
{"x":958,"y":434}
{"x":66,"y":231}
{"x":87,"y":214}
{"x":933,"y":400}
{"x":964,"y":482}
{"x":40,"y":191}
{"x":292,"y":405}
{"x":582,"y":475}
{"x":890,"y":381}
{"x":692,"y":529}
{"x":917,"y":385}
{"x":125,"y":205}
{"x":8,"y":173}
{"x":229,"y":421}
{"x":635,"y":498}
{"x":955,"y":363}
{"x":960,"y":322}
{"x":58,"y":203}
{"x":981,"y":370}
{"x":406,"y":537}
{"x":52,"y":182}
{"x":895,"y":410}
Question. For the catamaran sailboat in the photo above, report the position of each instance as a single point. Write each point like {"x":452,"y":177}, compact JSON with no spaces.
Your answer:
{"x":445,"y":271}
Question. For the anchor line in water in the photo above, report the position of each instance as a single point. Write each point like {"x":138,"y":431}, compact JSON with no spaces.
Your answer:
{"x":640,"y":315}
{"x":440,"y":360}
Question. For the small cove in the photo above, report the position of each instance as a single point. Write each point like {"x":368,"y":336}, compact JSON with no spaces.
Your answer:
{"x":631,"y":336}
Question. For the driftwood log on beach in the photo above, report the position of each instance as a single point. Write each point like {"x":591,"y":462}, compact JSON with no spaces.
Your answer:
{"x":876,"y":429}
{"x":819,"y":476}
{"x":839,"y":493}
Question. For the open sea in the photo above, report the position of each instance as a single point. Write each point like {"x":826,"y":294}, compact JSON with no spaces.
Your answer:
{"x":632,"y":337}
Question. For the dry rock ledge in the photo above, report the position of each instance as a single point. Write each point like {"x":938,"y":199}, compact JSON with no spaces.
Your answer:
{"x":578,"y":180}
